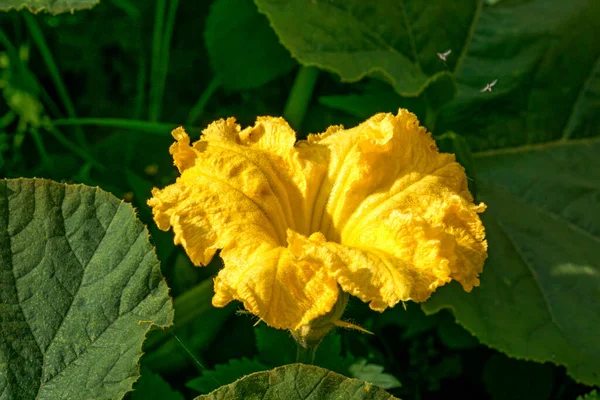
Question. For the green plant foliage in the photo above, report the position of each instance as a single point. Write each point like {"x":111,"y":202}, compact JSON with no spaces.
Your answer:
{"x":298,"y":381}
{"x":244,"y":51}
{"x":81,"y":287}
{"x":51,"y":6}
{"x":593,"y":395}
{"x":540,"y":285}
{"x":225,"y":374}
{"x":152,"y":387}
{"x":396,"y":41}
{"x":373,"y":373}
{"x":546,"y":59}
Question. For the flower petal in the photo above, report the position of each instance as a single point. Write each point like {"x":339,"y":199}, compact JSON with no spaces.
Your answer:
{"x":401,"y":211}
{"x":240,"y":191}
{"x":285,"y":293}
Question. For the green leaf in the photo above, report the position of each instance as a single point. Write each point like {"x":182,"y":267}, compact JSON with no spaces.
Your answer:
{"x":225,"y":374}
{"x":453,"y":335}
{"x":244,"y":51}
{"x":152,"y":386}
{"x":593,"y":395}
{"x":507,"y":379}
{"x":373,"y":373}
{"x":298,"y":381}
{"x":396,"y":41}
{"x":81,"y":287}
{"x":541,"y":284}
{"x":51,"y":6}
{"x":546,"y":58}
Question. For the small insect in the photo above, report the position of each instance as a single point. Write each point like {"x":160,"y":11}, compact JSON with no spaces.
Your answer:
{"x":443,"y":56}
{"x":489,"y":86}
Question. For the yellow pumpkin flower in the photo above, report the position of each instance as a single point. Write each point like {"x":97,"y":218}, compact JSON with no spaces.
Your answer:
{"x":375,"y":211}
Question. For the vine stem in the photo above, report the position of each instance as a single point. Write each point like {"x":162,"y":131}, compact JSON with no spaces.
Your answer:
{"x":198,"y":108}
{"x":305,"y":355}
{"x":300,"y":95}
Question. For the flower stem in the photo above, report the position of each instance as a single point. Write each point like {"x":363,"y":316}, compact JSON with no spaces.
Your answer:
{"x":198,"y":108}
{"x":305,"y":355}
{"x":300,"y":95}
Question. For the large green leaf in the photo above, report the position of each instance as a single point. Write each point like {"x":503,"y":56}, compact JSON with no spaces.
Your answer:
{"x":51,"y":6}
{"x":540,"y":287}
{"x":546,"y":58}
{"x":296,"y":382}
{"x":80,"y":288}
{"x":395,"y":40}
{"x":244,"y":51}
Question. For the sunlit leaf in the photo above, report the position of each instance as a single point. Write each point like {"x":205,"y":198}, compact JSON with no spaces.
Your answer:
{"x":81,"y":287}
{"x":396,"y":41}
{"x":298,"y":381}
{"x":51,"y":6}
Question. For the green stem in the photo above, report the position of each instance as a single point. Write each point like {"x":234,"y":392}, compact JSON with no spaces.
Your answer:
{"x":305,"y":355}
{"x":140,"y":97}
{"x":39,"y":144}
{"x":38,"y":38}
{"x":58,"y":135}
{"x":159,"y":16}
{"x":166,"y":46}
{"x":156,"y":128}
{"x":198,"y":108}
{"x":300,"y":95}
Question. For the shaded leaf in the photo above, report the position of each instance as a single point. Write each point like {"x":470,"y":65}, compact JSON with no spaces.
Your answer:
{"x":152,"y":386}
{"x":373,"y":373}
{"x":593,"y":395}
{"x":543,"y":228}
{"x":453,"y":335}
{"x":225,"y":374}
{"x":243,"y":49}
{"x":396,"y":41}
{"x":81,"y":287}
{"x":547,"y":62}
{"x":51,"y":6}
{"x":298,"y":381}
